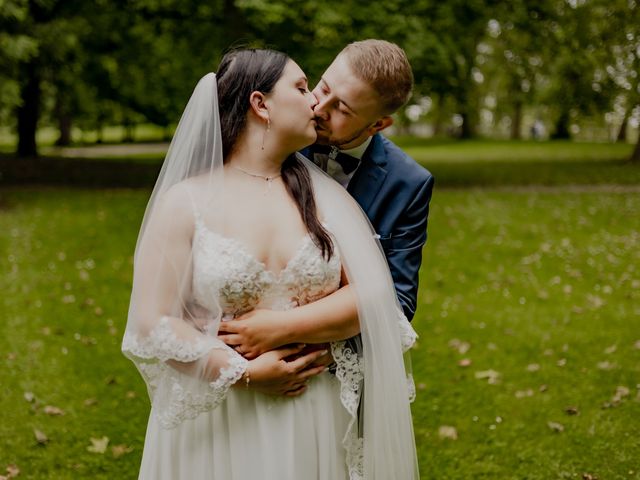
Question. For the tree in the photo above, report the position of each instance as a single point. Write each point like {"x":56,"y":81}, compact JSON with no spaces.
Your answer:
{"x":515,"y":54}
{"x":620,"y":33}
{"x":16,"y":48}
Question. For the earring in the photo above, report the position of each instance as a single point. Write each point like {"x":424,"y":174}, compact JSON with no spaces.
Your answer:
{"x":265,"y":132}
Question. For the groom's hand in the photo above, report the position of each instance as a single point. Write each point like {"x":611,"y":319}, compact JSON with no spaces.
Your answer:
{"x":254,"y":333}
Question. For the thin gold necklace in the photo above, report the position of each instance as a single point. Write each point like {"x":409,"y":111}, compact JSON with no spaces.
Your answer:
{"x":269,"y":179}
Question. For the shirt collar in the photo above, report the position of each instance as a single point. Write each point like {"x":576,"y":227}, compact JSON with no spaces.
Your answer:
{"x":358,"y":151}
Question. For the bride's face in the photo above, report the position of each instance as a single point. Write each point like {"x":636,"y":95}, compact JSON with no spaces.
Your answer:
{"x":290,"y":105}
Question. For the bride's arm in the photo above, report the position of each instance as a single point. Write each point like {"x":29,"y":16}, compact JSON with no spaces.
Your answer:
{"x":329,"y":319}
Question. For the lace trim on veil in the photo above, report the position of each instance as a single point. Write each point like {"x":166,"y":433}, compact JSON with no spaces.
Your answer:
{"x":350,"y":373}
{"x":176,"y":396}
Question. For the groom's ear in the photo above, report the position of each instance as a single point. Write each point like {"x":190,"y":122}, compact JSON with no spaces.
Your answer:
{"x":258,"y":105}
{"x":381,"y":124}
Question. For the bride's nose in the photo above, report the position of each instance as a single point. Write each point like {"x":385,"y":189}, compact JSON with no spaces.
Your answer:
{"x":313,"y":101}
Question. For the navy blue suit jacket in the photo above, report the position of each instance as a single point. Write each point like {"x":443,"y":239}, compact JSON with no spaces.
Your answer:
{"x":394,"y":192}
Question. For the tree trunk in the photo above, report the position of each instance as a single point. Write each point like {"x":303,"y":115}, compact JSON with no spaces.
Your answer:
{"x":64,"y":121}
{"x":516,"y":122}
{"x":439,"y":120}
{"x":99,"y":133}
{"x":128,"y":130}
{"x":635,"y":156}
{"x":166,"y":133}
{"x":29,"y":111}
{"x":622,"y":133}
{"x":562,"y":127}
{"x":468,"y":129}
{"x":64,"y":124}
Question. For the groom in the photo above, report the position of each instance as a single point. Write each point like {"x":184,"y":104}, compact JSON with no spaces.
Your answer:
{"x":366,"y":83}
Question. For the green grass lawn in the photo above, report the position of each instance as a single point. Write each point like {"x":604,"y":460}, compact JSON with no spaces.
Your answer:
{"x":540,"y":292}
{"x":529,"y":316}
{"x":47,"y":136}
{"x":496,"y":163}
{"x":454,"y":164}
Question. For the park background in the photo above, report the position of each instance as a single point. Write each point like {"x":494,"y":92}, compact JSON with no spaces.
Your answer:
{"x":528,"y":115}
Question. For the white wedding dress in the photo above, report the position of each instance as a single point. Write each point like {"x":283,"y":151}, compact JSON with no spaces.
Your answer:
{"x":246,"y":435}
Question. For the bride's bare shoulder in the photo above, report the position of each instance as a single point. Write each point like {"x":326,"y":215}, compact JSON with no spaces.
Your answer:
{"x":188,"y":191}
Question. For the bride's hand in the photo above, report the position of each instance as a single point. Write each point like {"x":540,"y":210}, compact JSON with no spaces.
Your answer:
{"x":283,"y":372}
{"x":254,"y":333}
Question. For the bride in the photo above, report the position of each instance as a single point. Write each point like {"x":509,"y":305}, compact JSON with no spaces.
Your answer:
{"x":239,"y":221}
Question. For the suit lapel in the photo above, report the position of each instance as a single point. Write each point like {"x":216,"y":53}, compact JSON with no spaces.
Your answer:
{"x":365,"y":184}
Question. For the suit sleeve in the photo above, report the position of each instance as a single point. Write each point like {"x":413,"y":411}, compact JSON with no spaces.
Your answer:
{"x":403,"y":248}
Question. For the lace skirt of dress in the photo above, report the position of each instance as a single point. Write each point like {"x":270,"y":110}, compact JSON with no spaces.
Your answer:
{"x":252,"y":436}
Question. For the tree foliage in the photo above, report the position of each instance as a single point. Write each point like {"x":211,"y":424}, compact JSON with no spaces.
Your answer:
{"x":69,"y":62}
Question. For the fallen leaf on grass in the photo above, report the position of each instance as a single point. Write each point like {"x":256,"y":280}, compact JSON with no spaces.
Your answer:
{"x":533,"y":367}
{"x":53,"y":411}
{"x":459,"y":345}
{"x":606,"y":365}
{"x":130,"y":394}
{"x":41,"y":438}
{"x":120,"y":450}
{"x":98,"y":445}
{"x":29,"y":397}
{"x":555,"y":426}
{"x":68,"y":299}
{"x":465,"y":362}
{"x":524,"y":393}
{"x":89,"y":402}
{"x":621,"y":393}
{"x":12,"y":471}
{"x":589,"y":476}
{"x":446,"y":431}
{"x":572,"y":411}
{"x":491,"y":376}
{"x":637,"y":345}
{"x":611,"y":349}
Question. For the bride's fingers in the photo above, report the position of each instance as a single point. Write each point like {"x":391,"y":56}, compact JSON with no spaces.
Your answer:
{"x":306,"y":360}
{"x":296,"y":391}
{"x":231,"y":339}
{"x":288,"y":351}
{"x":311,"y":372}
{"x":229,"y":327}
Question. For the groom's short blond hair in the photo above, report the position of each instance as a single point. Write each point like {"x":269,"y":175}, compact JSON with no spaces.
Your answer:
{"x":384,"y":66}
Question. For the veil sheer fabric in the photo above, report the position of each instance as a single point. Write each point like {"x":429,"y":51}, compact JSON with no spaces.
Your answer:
{"x":171,"y":330}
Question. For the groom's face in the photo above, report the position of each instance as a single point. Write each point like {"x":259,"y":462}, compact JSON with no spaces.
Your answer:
{"x":347,"y":109}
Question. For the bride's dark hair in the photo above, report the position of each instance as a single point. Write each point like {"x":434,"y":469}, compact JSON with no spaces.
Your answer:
{"x":240,"y":73}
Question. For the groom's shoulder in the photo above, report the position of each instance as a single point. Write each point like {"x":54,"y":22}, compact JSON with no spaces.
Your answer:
{"x":400,"y":164}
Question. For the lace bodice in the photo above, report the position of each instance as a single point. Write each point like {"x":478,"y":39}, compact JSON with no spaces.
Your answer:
{"x":225,"y":271}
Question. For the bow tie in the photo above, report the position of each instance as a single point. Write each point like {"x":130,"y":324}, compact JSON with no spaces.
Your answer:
{"x":347,"y":162}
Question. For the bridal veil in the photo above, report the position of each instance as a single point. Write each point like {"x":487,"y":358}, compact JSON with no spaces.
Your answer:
{"x":172,"y":339}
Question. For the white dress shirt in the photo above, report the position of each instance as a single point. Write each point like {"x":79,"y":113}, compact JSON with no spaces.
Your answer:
{"x":335,"y":169}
